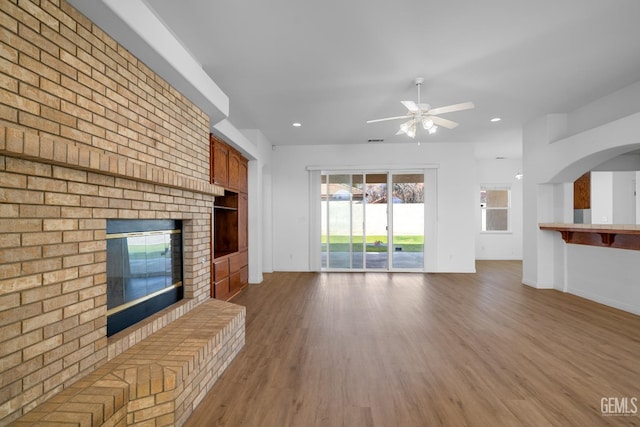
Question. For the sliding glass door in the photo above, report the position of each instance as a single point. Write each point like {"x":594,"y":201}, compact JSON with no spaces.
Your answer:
{"x":337,"y":242}
{"x":359,"y":218}
{"x":376,"y":236}
{"x":408,"y":220}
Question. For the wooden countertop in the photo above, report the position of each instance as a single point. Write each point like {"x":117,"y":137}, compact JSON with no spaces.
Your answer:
{"x":607,"y":235}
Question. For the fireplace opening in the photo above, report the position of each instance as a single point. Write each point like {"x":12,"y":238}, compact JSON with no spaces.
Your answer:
{"x":144,"y":269}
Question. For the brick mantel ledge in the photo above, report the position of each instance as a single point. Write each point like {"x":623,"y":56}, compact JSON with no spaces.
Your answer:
{"x":58,"y":151}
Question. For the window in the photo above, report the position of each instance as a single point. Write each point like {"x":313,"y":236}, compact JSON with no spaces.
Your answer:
{"x":495,"y":202}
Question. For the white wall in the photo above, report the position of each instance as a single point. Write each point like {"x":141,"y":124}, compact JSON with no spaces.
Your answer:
{"x":500,"y":245}
{"x":609,"y":276}
{"x":638,"y":197}
{"x":456,"y":195}
{"x":602,"y":197}
{"x":625,"y":162}
{"x":613,"y":199}
{"x":623,"y":196}
{"x":259,"y":209}
{"x":557,"y":149}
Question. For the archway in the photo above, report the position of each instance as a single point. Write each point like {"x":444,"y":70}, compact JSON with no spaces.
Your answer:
{"x":550,"y":166}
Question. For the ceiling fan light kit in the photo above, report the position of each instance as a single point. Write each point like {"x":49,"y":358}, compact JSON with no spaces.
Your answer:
{"x":423,"y":114}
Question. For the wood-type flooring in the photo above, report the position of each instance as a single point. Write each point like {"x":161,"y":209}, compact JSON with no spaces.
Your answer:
{"x":405,"y":349}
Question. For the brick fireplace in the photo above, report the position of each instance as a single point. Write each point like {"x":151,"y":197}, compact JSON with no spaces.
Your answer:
{"x":87,"y":133}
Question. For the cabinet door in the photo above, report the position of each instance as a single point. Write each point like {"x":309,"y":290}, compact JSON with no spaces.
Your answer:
{"x":220,"y":164}
{"x":237,"y":261}
{"x":234,"y":170}
{"x":244,"y":276}
{"x":222,"y":289}
{"x":220,"y":269}
{"x":243,"y":171}
{"x":582,"y":192}
{"x":235,"y":283}
{"x":243,"y":220}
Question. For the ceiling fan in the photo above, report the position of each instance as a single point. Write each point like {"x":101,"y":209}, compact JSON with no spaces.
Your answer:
{"x":423,"y":114}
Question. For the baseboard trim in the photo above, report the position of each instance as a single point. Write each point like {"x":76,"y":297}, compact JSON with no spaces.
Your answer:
{"x":537,"y":285}
{"x":605,"y":301}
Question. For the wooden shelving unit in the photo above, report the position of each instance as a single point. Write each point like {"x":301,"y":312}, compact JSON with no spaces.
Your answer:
{"x":230,"y":267}
{"x":225,"y":223}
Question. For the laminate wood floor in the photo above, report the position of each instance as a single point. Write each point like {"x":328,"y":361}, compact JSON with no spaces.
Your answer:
{"x":378,"y":349}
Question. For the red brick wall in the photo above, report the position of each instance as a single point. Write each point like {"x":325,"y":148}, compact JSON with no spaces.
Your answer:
{"x":87,"y":133}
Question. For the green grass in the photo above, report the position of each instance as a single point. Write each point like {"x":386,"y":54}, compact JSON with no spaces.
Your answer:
{"x":341,"y":243}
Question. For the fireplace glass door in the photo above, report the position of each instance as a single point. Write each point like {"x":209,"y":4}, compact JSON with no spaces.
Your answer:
{"x":144,"y":269}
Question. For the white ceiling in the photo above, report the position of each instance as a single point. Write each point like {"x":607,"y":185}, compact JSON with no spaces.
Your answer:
{"x":332,"y":65}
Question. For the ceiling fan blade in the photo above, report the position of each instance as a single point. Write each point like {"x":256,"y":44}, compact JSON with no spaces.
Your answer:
{"x":411,"y":106}
{"x":445,"y":123}
{"x":452,"y":108}
{"x":388,"y":118}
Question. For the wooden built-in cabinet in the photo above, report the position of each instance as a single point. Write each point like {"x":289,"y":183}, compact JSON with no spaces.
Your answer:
{"x":228,"y":166}
{"x":226,"y":225}
{"x":582,"y":192}
{"x":234,"y":171}
{"x":243,"y":219}
{"x":221,"y":289}
{"x":231,"y":275}
{"x":219,"y":162}
{"x":230,"y":266}
{"x":243,"y":171}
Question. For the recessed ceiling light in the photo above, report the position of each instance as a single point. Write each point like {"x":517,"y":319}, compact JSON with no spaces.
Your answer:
{"x":297,"y":125}
{"x":496,"y":119}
